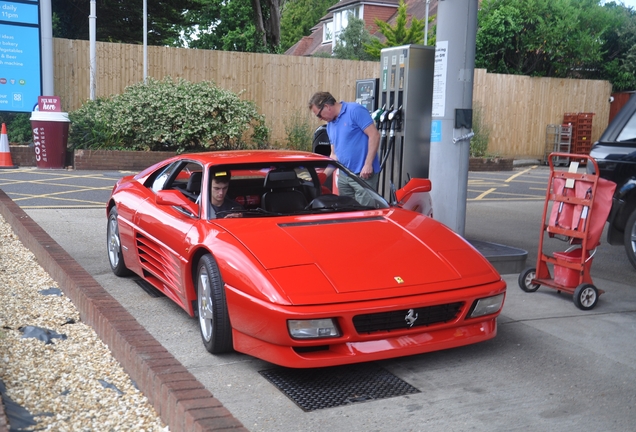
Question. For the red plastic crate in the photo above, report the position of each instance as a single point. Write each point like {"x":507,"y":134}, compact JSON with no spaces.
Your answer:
{"x":570,"y":118}
{"x":582,"y":150}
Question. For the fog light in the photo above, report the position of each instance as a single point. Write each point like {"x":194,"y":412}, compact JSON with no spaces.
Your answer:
{"x":487,"y":306}
{"x":313,"y":329}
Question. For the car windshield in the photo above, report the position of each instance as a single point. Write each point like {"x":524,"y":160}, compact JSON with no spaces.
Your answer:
{"x":628,"y":134}
{"x":307,"y":187}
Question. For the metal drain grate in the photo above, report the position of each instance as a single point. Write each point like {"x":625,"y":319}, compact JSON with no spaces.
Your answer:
{"x":313,"y":389}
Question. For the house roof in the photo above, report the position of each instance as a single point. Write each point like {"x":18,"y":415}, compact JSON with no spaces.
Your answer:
{"x":417,"y":9}
{"x":312,"y":44}
{"x":344,"y":3}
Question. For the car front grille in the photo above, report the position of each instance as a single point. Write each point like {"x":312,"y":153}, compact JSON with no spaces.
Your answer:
{"x":399,"y":319}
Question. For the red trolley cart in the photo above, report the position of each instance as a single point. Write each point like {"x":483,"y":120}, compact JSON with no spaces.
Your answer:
{"x":575,"y":210}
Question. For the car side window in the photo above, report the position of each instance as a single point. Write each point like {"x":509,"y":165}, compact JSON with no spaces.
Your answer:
{"x":187,"y":179}
{"x":162,"y":177}
{"x":629,"y":131}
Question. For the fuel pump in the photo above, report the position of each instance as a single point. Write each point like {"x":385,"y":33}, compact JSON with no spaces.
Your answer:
{"x":406,"y":87}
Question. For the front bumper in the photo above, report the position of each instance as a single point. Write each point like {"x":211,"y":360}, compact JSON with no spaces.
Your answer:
{"x":260,"y":329}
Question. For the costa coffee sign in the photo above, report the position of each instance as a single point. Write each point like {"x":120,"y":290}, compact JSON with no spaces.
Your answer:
{"x":39,"y":144}
{"x":49,"y":104}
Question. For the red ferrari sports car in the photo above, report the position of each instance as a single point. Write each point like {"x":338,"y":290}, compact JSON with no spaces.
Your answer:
{"x":287,"y":270}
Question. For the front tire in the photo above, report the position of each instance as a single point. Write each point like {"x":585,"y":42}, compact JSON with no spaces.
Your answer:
{"x":585,"y":296}
{"x":629,"y":239}
{"x":115,"y":257}
{"x":214,"y":319}
{"x":525,"y":280}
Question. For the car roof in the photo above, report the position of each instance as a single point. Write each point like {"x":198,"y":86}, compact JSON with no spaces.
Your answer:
{"x":252,"y":156}
{"x":236,"y":157}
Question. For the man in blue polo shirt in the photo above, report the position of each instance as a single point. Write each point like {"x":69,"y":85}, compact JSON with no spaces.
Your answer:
{"x":354,"y":139}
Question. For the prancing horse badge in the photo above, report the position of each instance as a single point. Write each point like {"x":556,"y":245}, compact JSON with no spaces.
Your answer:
{"x":411,"y":317}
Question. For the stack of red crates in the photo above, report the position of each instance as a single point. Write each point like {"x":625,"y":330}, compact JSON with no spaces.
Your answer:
{"x":581,"y":131}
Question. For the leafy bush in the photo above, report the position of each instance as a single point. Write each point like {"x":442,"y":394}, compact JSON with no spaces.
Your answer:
{"x":479,"y":142}
{"x":18,"y":127}
{"x":92,"y":127}
{"x":298,"y":131}
{"x":169,"y":115}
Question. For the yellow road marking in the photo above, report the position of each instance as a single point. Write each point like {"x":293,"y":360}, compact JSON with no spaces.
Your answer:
{"x":510,"y":199}
{"x":482,"y":195}
{"x":520,"y":173}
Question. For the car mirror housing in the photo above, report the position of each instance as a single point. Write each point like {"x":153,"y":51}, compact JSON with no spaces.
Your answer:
{"x":415,"y":185}
{"x":176,"y":198}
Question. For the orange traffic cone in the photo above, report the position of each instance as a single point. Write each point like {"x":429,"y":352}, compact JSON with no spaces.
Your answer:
{"x":5,"y":152}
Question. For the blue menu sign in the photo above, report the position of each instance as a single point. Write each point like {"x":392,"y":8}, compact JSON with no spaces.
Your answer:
{"x":20,"y":62}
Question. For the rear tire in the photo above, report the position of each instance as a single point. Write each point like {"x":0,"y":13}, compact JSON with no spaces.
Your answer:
{"x":629,"y":239}
{"x":214,"y":319}
{"x":115,"y":257}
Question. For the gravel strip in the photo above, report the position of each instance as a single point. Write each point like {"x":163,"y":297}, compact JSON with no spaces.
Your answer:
{"x":72,"y":383}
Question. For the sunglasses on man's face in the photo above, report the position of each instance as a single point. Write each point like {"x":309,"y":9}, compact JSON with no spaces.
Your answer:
{"x":319,"y":115}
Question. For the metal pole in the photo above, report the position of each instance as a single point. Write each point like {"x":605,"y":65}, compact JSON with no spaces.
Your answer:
{"x":453,"y":90}
{"x":428,"y":2}
{"x":145,"y":40}
{"x":46,"y":38}
{"x":92,"y":18}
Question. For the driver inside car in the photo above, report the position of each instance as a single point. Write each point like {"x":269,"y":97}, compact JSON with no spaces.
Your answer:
{"x":222,"y":206}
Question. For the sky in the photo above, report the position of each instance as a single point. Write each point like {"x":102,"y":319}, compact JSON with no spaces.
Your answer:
{"x":629,"y":3}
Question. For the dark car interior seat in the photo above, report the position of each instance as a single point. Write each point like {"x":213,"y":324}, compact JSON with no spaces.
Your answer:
{"x":282,"y":192}
{"x":193,"y":188}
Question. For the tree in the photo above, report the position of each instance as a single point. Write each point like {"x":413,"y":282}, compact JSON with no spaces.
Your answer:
{"x":267,"y":21}
{"x":399,"y":34}
{"x":351,"y":42}
{"x":553,"y":38}
{"x":234,"y":25}
{"x":121,"y":20}
{"x":619,"y":48}
{"x":222,"y":25}
{"x":298,"y":17}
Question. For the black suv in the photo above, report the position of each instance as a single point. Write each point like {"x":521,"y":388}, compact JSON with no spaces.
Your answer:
{"x":615,"y":153}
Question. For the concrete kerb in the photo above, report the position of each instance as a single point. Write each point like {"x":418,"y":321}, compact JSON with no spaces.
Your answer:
{"x":180,"y":399}
{"x":525,"y":162}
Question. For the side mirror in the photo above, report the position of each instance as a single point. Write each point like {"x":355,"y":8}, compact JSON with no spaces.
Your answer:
{"x":415,"y":185}
{"x":172,"y":197}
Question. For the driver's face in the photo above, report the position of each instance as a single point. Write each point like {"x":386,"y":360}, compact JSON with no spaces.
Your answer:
{"x":219,"y":190}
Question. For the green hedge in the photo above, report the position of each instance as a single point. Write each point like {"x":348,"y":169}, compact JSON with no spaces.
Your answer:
{"x":169,"y":115}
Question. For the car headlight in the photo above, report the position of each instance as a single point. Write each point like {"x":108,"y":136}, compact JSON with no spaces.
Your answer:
{"x":313,"y":329}
{"x":487,"y":306}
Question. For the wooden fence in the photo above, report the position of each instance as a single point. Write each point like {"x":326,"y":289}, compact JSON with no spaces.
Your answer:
{"x":516,"y":108}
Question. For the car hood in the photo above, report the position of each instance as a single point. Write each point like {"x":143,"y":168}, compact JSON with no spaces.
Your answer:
{"x":318,"y":259}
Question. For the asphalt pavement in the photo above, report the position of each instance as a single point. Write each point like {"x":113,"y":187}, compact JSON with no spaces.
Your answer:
{"x":551,"y":366}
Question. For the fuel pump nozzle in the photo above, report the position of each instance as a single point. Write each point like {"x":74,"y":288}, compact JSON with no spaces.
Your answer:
{"x":384,"y":119}
{"x":376,"y":115}
{"x":394,"y":118}
{"x":383,"y":126}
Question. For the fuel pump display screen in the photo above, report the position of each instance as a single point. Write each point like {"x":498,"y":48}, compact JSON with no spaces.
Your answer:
{"x":367,"y":92}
